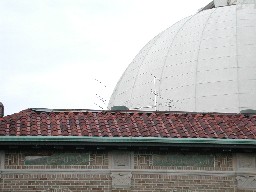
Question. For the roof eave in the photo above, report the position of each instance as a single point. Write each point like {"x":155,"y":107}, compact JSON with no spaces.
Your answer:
{"x":127,"y":141}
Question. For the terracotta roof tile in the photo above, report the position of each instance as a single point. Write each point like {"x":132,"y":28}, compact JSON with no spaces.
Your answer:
{"x":32,"y":122}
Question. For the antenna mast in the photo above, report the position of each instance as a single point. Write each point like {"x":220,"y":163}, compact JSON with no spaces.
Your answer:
{"x":156,"y":94}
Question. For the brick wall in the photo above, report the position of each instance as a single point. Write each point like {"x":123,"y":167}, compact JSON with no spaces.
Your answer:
{"x":55,"y":182}
{"x":122,"y":171}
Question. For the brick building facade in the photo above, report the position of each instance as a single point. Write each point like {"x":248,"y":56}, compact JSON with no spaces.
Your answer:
{"x":111,"y":151}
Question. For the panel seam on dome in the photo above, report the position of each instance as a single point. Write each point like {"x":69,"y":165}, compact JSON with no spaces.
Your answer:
{"x":199,"y":47}
{"x":237,"y":64}
{"x":142,"y":63}
{"x":161,"y":75}
{"x":120,"y":80}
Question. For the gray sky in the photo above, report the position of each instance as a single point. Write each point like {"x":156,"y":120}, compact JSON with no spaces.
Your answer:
{"x":51,"y":51}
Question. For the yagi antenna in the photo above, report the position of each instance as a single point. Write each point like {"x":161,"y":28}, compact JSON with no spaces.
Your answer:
{"x":100,"y":82}
{"x":100,"y":98}
{"x":170,"y":103}
{"x":98,"y":106}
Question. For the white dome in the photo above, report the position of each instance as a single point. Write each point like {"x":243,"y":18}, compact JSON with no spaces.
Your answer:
{"x":203,"y":63}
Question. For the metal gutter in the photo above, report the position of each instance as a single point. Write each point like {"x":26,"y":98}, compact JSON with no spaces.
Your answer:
{"x":19,"y":140}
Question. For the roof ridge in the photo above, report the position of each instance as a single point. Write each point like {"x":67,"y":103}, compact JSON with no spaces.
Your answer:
{"x":133,"y":111}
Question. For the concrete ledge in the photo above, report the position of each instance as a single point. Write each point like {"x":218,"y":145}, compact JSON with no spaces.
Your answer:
{"x":133,"y":171}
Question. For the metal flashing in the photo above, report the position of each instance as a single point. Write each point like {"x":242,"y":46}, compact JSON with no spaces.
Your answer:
{"x":20,"y":140}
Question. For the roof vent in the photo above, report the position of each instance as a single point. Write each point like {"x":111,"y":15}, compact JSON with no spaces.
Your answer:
{"x":250,"y":111}
{"x":119,"y":108}
{"x":1,"y":110}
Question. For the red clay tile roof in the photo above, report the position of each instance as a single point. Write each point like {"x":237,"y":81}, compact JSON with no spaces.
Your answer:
{"x":33,"y":122}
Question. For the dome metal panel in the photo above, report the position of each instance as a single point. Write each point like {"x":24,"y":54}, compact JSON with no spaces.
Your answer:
{"x":203,"y":63}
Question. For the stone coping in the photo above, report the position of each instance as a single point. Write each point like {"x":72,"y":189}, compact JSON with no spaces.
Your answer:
{"x":133,"y":171}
